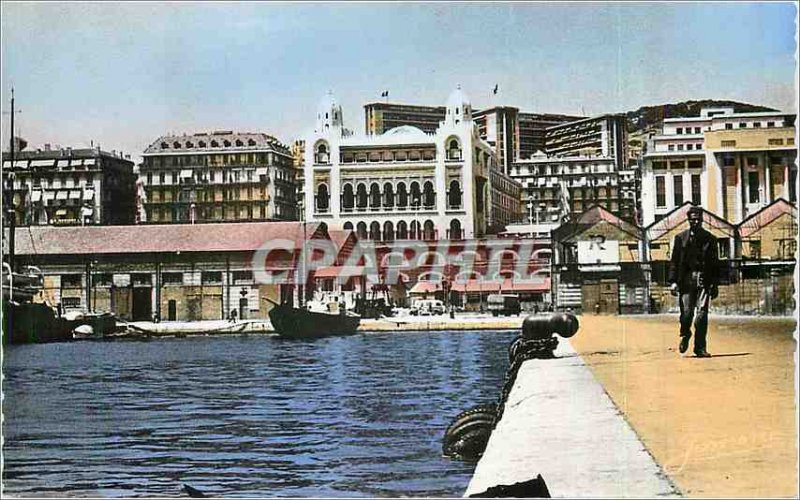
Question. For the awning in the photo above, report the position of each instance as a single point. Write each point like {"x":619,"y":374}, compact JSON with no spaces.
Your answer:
{"x":340,"y":271}
{"x":62,"y":163}
{"x":262,"y":171}
{"x":36,"y":196}
{"x":62,"y":195}
{"x":532,"y":285}
{"x":88,"y":194}
{"x":21,"y":164}
{"x":425,"y":287}
{"x":6,"y":164}
{"x":42,"y":163}
{"x":89,"y":162}
{"x":49,"y":195}
{"x":74,"y":195}
{"x":599,"y":268}
{"x":186,"y":173}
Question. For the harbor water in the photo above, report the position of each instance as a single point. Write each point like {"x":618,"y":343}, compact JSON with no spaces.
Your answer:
{"x":245,"y":416}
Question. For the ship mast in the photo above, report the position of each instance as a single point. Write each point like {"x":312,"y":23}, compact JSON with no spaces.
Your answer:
{"x":9,"y":214}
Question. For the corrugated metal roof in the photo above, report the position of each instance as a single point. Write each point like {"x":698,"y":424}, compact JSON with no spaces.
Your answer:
{"x":766,"y":216}
{"x":167,"y":238}
{"x":678,"y":216}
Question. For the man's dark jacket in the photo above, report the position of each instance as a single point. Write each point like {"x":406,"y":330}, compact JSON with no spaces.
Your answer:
{"x":705,"y":248}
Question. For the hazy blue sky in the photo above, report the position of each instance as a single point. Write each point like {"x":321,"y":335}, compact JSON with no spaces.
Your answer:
{"x":123,"y":74}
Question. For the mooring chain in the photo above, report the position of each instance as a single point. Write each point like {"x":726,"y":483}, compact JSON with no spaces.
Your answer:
{"x":521,"y":351}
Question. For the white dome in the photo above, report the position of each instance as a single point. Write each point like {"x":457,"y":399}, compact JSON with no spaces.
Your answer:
{"x":405,"y":130}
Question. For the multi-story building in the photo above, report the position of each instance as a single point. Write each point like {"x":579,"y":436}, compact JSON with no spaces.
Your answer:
{"x":512,"y":134}
{"x":66,"y":186}
{"x":532,"y":131}
{"x":557,"y":187}
{"x":380,"y":117}
{"x":404,"y":183}
{"x":604,"y":136}
{"x":731,"y":163}
{"x":298,"y":161}
{"x":219,"y":176}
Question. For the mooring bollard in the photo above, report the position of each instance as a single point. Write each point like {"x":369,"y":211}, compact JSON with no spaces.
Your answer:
{"x":468,"y":434}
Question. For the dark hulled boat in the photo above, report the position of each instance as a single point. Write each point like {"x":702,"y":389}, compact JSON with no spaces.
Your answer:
{"x":294,"y":322}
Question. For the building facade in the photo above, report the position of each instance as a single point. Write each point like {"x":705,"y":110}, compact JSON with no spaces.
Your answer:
{"x":218,"y":176}
{"x":68,"y":186}
{"x":733,"y":164}
{"x":404,"y":183}
{"x":381,"y":117}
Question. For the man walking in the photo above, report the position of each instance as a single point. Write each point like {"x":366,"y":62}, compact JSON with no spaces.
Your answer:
{"x":694,"y":277}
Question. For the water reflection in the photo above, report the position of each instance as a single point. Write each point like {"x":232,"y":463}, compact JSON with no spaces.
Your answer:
{"x":245,"y":416}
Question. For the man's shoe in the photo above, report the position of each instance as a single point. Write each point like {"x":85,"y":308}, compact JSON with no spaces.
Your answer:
{"x":684,"y":344}
{"x":702,"y":354}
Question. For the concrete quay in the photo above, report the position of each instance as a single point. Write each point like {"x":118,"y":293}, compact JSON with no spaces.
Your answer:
{"x":560,"y":423}
{"x":403,"y":323}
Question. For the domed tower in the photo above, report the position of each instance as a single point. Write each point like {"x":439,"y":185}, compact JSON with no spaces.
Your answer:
{"x":329,"y":115}
{"x":459,"y":109}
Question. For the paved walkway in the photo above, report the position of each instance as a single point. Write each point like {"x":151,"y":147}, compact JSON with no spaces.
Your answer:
{"x":560,"y":423}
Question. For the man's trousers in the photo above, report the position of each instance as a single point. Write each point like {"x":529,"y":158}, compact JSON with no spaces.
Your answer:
{"x":694,"y":308}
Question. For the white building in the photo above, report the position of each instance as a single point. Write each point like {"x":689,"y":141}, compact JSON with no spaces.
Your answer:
{"x":732,"y":164}
{"x":404,"y":183}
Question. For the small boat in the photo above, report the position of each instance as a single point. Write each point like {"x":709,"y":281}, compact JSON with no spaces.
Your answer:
{"x":304,"y":323}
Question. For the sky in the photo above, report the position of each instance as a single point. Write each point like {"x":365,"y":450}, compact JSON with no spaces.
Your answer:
{"x":122,"y":74}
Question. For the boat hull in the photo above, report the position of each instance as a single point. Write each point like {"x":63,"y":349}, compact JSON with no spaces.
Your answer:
{"x":291,"y":322}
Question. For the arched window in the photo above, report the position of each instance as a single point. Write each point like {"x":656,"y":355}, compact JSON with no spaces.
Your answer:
{"x":454,"y":198}
{"x":176,"y":145}
{"x":402,"y":230}
{"x":189,"y":144}
{"x":164,"y":145}
{"x":374,"y":196}
{"x":214,"y":144}
{"x":428,"y":232}
{"x":348,"y":226}
{"x":321,"y":155}
{"x":322,"y":198}
{"x":429,"y":197}
{"x":375,"y":231}
{"x":416,"y":195}
{"x":455,"y":230}
{"x":251,"y":142}
{"x":388,"y":195}
{"x":239,"y":143}
{"x":361,"y":230}
{"x":361,"y":196}
{"x":348,"y":198}
{"x":388,"y":231}
{"x":453,"y":149}
{"x":402,"y":195}
{"x":415,"y":233}
{"x":227,"y":143}
{"x":202,"y":144}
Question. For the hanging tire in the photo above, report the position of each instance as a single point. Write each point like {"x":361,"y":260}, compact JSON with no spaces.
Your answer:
{"x":470,"y":446}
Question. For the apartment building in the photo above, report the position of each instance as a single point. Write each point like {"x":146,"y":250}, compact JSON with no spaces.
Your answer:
{"x":731,"y":163}
{"x":66,"y":186}
{"x":218,"y":176}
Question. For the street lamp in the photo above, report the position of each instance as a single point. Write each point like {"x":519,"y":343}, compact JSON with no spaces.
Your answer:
{"x":530,"y":209}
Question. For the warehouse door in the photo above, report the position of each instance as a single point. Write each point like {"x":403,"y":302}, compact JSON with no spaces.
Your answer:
{"x":142,"y":304}
{"x":600,"y":296}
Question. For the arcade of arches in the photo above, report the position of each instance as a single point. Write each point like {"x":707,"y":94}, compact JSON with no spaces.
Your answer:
{"x":404,"y":230}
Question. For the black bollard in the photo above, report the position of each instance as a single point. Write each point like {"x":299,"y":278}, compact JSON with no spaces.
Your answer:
{"x":542,"y":327}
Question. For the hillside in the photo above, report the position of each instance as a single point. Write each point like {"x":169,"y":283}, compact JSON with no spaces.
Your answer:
{"x":648,"y":117}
